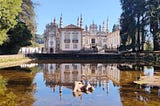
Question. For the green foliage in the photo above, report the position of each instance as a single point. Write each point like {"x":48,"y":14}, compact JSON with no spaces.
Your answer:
{"x":34,"y":44}
{"x":139,"y":18}
{"x":127,"y":22}
{"x":132,"y":23}
{"x":9,"y":9}
{"x":115,"y":27}
{"x":7,"y":99}
{"x":28,"y":15}
{"x":153,"y":13}
{"x":2,"y":86}
{"x":149,"y":46}
{"x":39,"y":38}
{"x":18,"y":36}
{"x":13,"y":37}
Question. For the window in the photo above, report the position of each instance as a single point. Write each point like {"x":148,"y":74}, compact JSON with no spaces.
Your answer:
{"x":51,"y":67}
{"x":75,"y":46}
{"x":67,"y":38}
{"x":57,"y":67}
{"x":66,"y":67}
{"x":93,"y":40}
{"x":74,"y":67}
{"x":67,"y":45}
{"x":75,"y":38}
{"x":93,"y":71}
{"x":75,"y":41}
{"x":74,"y":33}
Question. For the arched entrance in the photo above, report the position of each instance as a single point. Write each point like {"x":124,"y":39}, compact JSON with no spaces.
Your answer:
{"x":51,"y":50}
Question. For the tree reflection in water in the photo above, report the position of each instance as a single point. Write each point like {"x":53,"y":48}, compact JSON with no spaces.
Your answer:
{"x":113,"y":84}
{"x":7,"y":98}
{"x":137,"y":94}
{"x":19,"y":84}
{"x":122,"y":75}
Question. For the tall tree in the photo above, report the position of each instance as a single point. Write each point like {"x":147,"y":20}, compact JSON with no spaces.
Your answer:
{"x":139,"y":15}
{"x":146,"y":15}
{"x":128,"y":25}
{"x":132,"y":23}
{"x":115,"y":27}
{"x":18,"y":36}
{"x":154,"y":21}
{"x":22,"y":33}
{"x":9,"y":9}
{"x":28,"y":15}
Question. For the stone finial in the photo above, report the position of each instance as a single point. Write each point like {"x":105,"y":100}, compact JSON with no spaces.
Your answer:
{"x":81,"y":21}
{"x":61,"y":21}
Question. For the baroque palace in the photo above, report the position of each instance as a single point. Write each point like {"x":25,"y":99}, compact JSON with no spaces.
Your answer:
{"x":75,"y":38}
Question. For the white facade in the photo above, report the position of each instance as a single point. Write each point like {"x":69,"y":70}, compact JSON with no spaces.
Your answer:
{"x":51,"y":35}
{"x":93,"y":37}
{"x":71,"y":38}
{"x":100,"y":38}
{"x":67,"y":39}
{"x":91,"y":41}
{"x":113,"y":40}
{"x":51,"y":44}
{"x":29,"y":50}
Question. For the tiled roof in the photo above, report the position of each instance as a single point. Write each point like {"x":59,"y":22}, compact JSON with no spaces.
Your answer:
{"x":71,"y":26}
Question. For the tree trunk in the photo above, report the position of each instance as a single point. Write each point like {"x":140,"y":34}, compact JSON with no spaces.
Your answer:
{"x":143,"y":39}
{"x":138,"y":33}
{"x":156,"y":42}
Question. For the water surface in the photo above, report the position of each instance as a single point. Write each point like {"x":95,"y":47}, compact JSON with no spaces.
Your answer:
{"x":51,"y":84}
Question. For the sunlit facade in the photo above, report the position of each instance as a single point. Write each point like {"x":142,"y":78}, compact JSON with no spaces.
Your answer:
{"x":75,"y":38}
{"x":51,"y":38}
{"x":71,"y":38}
{"x":113,"y":40}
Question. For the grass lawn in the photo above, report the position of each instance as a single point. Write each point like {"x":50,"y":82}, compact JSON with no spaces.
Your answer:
{"x":12,"y":60}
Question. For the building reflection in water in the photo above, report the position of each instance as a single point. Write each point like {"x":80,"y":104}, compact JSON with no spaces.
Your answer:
{"x":64,"y":75}
{"x":58,"y":77}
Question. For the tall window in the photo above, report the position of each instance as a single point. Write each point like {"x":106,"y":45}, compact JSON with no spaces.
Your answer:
{"x":66,"y":67}
{"x":75,"y":46}
{"x":67,"y":45}
{"x":67,"y":38}
{"x":75,"y":38}
{"x":93,"y":40}
{"x":75,"y":67}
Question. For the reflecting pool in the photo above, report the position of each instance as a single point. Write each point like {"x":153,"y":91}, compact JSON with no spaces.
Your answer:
{"x":51,"y":84}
